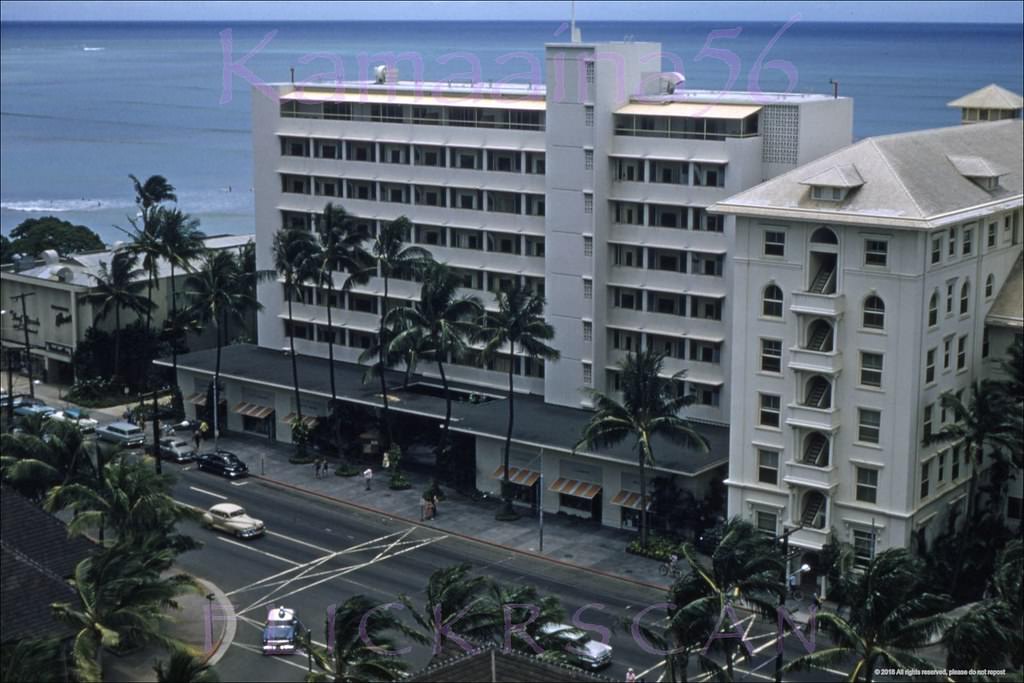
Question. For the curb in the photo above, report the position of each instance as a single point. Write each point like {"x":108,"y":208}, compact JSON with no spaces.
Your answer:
{"x":227,"y":615}
{"x":465,"y":537}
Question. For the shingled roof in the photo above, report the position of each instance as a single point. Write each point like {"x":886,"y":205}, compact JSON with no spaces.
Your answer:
{"x":1008,"y":308}
{"x":495,"y":665}
{"x":991,"y":96}
{"x":36,"y":559}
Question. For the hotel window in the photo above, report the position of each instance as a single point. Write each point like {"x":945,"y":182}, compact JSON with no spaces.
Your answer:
{"x":992,"y":232}
{"x":874,"y":313}
{"x":774,"y":243}
{"x":772,"y":302}
{"x":954,"y":469}
{"x":961,"y":352}
{"x":929,"y":413}
{"x":590,"y":72}
{"x":588,"y":159}
{"x":942,"y":467}
{"x":588,"y":289}
{"x":870,"y":422}
{"x":952,"y":241}
{"x":588,"y":246}
{"x":936,"y":249}
{"x":871,"y":369}
{"x":863,"y":548}
{"x":989,"y":286}
{"x":588,"y":374}
{"x":926,"y":468}
{"x":929,"y":366}
{"x":767,"y":522}
{"x":588,"y":116}
{"x":770,"y":410}
{"x":771,"y":355}
{"x":965,"y":297}
{"x":947,"y":352}
{"x":767,"y":467}
{"x":588,"y":203}
{"x":876,"y":253}
{"x":867,"y":485}
{"x":968,"y":237}
{"x":588,"y":331}
{"x":949,"y":298}
{"x":933,"y":310}
{"x":984,"y":343}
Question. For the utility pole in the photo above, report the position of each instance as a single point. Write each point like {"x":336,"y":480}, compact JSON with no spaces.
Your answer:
{"x":782,"y":596}
{"x":28,"y":345}
{"x":10,"y":388}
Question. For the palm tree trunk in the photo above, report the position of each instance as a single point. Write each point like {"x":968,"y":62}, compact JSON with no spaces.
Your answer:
{"x":216,"y":382}
{"x":965,"y":536}
{"x":507,"y":513}
{"x":330,"y":337}
{"x":117,"y":340}
{"x":442,"y":451}
{"x":174,"y":319}
{"x":382,"y":348}
{"x":643,"y":496}
{"x":295,"y":367}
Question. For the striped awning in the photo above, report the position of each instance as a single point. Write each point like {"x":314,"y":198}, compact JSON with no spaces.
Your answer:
{"x":308,"y":420}
{"x":578,"y":489}
{"x":517,"y":475}
{"x":199,"y":399}
{"x":629,"y":499}
{"x":253,"y":410}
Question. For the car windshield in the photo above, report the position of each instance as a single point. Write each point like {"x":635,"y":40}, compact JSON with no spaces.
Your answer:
{"x":179,"y":444}
{"x":237,"y":513}
{"x":232,"y":459}
{"x":278,"y":631}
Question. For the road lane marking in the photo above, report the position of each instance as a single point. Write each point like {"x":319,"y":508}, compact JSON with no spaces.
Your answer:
{"x":209,"y":493}
{"x":261,"y":552}
{"x":295,"y":540}
{"x":239,"y":483}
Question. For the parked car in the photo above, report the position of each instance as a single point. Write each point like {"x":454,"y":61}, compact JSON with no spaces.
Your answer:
{"x":232,"y":519}
{"x":18,"y":400}
{"x":77,"y":417}
{"x":177,"y":449}
{"x":224,"y":463}
{"x":587,"y":653}
{"x":30,"y":409}
{"x":122,"y":433}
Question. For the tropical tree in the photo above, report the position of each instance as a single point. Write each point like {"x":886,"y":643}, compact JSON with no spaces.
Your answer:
{"x":518,"y":323}
{"x":295,"y":260}
{"x":891,"y":616}
{"x":364,"y":643}
{"x":181,"y":243}
{"x":146,"y":241}
{"x":184,"y":667}
{"x":33,"y":236}
{"x":341,"y":249}
{"x":118,"y":286}
{"x":393,"y":259}
{"x":32,"y":463}
{"x":991,"y":633}
{"x":220,"y":291}
{"x":32,"y":660}
{"x":650,"y":406}
{"x":438,"y":327}
{"x":122,"y":599}
{"x":746,"y":567}
{"x":1013,"y":390}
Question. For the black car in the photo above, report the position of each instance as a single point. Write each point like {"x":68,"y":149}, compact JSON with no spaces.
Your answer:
{"x":224,"y":463}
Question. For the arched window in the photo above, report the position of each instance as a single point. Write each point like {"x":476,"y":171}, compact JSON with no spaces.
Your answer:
{"x":824,"y":236}
{"x":933,"y":309}
{"x":965,"y":297}
{"x":874,"y":313}
{"x":772,"y":302}
{"x":989,"y":286}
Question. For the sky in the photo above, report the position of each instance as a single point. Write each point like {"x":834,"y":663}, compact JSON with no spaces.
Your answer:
{"x":991,"y":11}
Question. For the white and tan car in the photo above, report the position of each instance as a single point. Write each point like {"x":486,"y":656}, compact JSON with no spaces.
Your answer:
{"x":232,"y":519}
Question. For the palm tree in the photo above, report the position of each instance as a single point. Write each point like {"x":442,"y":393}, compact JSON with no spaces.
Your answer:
{"x":341,"y":250}
{"x":118,"y":287}
{"x":453,"y":596}
{"x":745,"y":566}
{"x":1013,"y":390}
{"x":294,"y":259}
{"x":439,"y":327}
{"x":122,"y":598}
{"x":518,"y":322}
{"x":31,"y":660}
{"x":32,"y":465}
{"x":220,"y":292}
{"x":393,"y":260}
{"x":364,"y":649}
{"x":184,"y":667}
{"x":650,"y":406}
{"x":690,"y":625}
{"x":181,"y":243}
{"x":146,"y":241}
{"x":891,"y":616}
{"x":992,"y":632}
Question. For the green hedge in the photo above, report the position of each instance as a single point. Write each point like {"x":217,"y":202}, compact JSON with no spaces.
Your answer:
{"x":399,"y":482}
{"x":658,"y":547}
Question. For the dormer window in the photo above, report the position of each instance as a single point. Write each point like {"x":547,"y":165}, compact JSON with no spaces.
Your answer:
{"x":978,"y":170}
{"x":828,"y":194}
{"x":834,"y":184}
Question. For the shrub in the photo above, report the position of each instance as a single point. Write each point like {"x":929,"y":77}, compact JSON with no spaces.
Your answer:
{"x":346,"y":470}
{"x":399,"y":482}
{"x":658,"y":547}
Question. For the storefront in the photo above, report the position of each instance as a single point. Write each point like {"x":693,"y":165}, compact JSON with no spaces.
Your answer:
{"x":522,"y":482}
{"x":629,"y":505}
{"x":256,"y":419}
{"x":578,"y":497}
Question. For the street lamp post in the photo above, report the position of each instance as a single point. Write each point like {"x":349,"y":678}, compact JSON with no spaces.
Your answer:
{"x":28,"y":344}
{"x":786,"y":576}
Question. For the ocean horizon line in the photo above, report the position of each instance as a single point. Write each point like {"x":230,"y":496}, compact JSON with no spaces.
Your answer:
{"x":579,"y":22}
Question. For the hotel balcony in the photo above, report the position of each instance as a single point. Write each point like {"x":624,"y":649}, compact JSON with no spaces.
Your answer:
{"x":808,"y":417}
{"x":810,"y":303}
{"x":808,"y":476}
{"x":805,"y":360}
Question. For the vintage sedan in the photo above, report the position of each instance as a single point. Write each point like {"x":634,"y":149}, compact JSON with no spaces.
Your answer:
{"x":77,"y":417}
{"x":222,"y":462}
{"x":232,"y":519}
{"x":176,"y":449}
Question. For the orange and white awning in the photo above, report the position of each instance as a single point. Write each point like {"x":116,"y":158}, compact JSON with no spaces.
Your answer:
{"x":253,"y":410}
{"x":578,"y":489}
{"x":308,"y":420}
{"x":629,"y":499}
{"x":199,"y":399}
{"x":517,"y":475}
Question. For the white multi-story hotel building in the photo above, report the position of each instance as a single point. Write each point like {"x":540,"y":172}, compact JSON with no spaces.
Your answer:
{"x":591,"y":188}
{"x":860,"y":288}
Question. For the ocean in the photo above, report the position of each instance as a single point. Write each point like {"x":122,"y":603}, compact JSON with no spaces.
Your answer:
{"x":82,"y":105}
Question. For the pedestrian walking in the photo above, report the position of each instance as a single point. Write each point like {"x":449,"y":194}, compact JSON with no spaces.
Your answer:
{"x":368,"y":477}
{"x":195,"y":437}
{"x":430,"y":509}
{"x":204,"y":430}
{"x":316,"y":468}
{"x":630,"y":676}
{"x":424,"y":504}
{"x":433,"y":506}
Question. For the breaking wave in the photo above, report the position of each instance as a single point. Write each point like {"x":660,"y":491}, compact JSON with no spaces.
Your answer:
{"x":63,"y":205}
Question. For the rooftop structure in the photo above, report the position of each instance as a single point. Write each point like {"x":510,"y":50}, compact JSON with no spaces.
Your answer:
{"x":990,"y":103}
